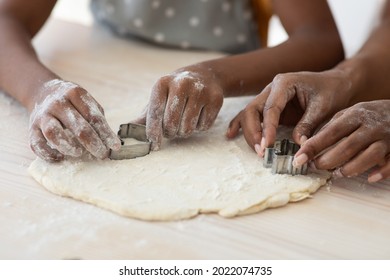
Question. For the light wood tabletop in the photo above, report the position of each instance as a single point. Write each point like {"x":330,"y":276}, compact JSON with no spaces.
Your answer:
{"x":348,"y":219}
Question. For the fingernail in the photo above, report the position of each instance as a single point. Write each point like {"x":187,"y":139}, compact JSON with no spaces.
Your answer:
{"x":337,"y":174}
{"x":262,"y":147}
{"x":228,"y":132}
{"x":262,"y":143}
{"x":303,"y":139}
{"x":375,"y":178}
{"x":300,"y":160}
{"x":258,"y":149}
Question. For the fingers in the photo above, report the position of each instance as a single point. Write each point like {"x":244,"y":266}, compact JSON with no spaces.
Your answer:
{"x":249,"y":120}
{"x":67,"y":120}
{"x":155,"y":115}
{"x":354,"y":141}
{"x":210,"y":110}
{"x":83,"y":131}
{"x":234,"y":126}
{"x":252,"y":129}
{"x":92,"y":112}
{"x":329,"y":135}
{"x":181,"y":104}
{"x":279,"y":95}
{"x":309,"y":122}
{"x":173,"y":114}
{"x":374,"y":155}
{"x":41,"y":148}
{"x":381,"y":174}
{"x":342,"y":152}
{"x":59,"y":140}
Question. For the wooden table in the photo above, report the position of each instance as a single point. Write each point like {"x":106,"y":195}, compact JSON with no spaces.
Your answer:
{"x":349,"y":219}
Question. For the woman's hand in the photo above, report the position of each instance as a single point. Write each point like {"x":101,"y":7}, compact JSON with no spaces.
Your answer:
{"x":304,"y":99}
{"x":354,"y":141}
{"x":69,"y":121}
{"x":182,"y":103}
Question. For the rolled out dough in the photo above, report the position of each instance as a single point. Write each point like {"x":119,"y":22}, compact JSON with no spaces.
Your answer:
{"x":202,"y":174}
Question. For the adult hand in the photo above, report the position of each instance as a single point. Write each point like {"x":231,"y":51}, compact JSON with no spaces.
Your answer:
{"x":181,"y":103}
{"x":353,"y":141}
{"x":304,"y":99}
{"x":68,"y":121}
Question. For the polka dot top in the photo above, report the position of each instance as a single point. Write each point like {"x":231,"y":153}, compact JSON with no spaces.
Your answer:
{"x":220,"y":25}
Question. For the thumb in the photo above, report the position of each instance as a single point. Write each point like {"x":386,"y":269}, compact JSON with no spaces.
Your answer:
{"x":307,"y":125}
{"x":141,"y":119}
{"x":234,"y":127}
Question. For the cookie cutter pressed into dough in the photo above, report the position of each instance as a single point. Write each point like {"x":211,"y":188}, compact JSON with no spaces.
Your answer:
{"x":133,"y":150}
{"x":280,"y":158}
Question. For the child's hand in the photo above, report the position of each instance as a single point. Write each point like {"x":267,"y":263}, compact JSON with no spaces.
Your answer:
{"x":355,"y":140}
{"x":304,"y":99}
{"x":181,"y":103}
{"x":67,"y":121}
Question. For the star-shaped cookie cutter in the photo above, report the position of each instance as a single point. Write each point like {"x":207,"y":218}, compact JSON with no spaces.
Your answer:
{"x":280,"y":158}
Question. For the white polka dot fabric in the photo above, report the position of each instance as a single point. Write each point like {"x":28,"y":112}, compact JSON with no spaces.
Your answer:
{"x":221,"y":25}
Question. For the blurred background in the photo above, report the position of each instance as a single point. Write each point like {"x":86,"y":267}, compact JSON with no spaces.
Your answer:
{"x":355,"y":19}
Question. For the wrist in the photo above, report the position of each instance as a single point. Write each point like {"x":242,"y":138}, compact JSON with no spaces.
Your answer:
{"x":354,"y":72}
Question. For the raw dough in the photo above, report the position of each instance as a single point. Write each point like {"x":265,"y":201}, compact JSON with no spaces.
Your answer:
{"x":202,"y":174}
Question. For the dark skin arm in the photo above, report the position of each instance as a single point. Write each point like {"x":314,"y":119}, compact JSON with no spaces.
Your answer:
{"x":19,"y":22}
{"x":65,"y":119}
{"x":306,"y":100}
{"x":190,"y":98}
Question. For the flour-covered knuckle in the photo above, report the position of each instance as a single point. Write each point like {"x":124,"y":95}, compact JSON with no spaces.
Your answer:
{"x":84,"y":133}
{"x":59,"y":140}
{"x":189,"y":119}
{"x":39,"y":146}
{"x":155,"y":112}
{"x":207,"y":117}
{"x":63,"y":128}
{"x":173,"y":112}
{"x":93,"y":113}
{"x":102,"y":128}
{"x":91,"y":141}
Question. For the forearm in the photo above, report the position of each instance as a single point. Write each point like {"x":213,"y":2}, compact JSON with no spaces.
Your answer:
{"x":369,"y":69}
{"x":249,"y":73}
{"x":21,"y":73}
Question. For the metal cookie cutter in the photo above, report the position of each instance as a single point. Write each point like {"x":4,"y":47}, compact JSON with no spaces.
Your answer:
{"x":280,"y":158}
{"x":132,"y":150}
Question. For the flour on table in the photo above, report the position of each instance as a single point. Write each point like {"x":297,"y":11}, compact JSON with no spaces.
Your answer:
{"x":201,"y":174}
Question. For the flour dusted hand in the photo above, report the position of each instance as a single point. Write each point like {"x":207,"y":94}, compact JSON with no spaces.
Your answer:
{"x":69,"y":121}
{"x":303,"y":99}
{"x":181,"y":103}
{"x":355,"y":140}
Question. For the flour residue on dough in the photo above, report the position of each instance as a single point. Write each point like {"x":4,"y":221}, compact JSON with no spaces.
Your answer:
{"x":202,"y":174}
